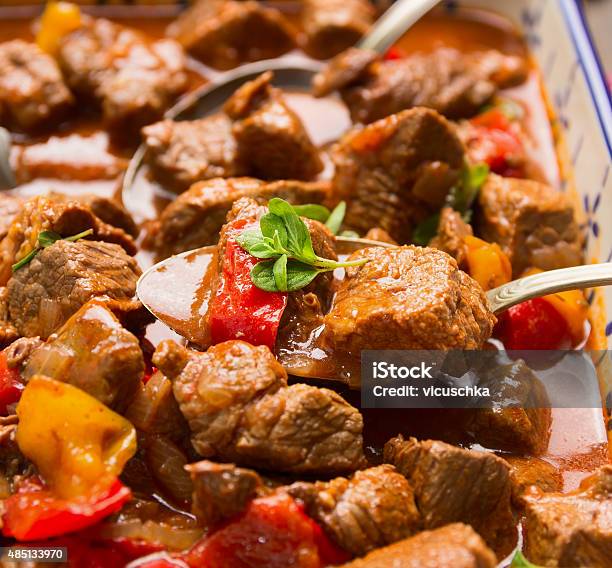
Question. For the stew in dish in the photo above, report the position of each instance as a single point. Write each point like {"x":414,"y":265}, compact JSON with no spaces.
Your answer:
{"x":131,"y":445}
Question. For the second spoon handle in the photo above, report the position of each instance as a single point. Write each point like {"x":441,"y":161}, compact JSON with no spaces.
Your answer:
{"x":550,"y":282}
{"x":394,"y":22}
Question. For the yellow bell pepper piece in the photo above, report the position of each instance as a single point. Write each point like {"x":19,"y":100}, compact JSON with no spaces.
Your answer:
{"x":58,"y":19}
{"x":72,"y":438}
{"x":572,"y":305}
{"x":487,"y":263}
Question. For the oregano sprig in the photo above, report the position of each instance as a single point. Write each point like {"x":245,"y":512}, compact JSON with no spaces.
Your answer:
{"x":284,"y":242}
{"x":46,"y":239}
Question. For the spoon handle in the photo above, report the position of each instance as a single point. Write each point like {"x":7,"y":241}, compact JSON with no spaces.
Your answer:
{"x":393,"y":24}
{"x":550,"y":282}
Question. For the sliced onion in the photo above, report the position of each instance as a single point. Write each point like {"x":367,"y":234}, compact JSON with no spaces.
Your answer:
{"x":167,"y":464}
{"x":169,"y":536}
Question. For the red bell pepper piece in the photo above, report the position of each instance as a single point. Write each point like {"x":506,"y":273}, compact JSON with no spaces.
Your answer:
{"x":11,"y":385}
{"x":240,"y":310}
{"x":394,"y":53}
{"x":496,"y":142}
{"x":534,"y":324}
{"x":274,"y":532}
{"x":34,"y":513}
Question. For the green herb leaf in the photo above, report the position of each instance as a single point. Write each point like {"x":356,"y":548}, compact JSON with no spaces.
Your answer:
{"x":280,"y":273}
{"x":299,"y":275}
{"x":298,"y":237}
{"x":462,"y":197}
{"x":312,"y":211}
{"x":262,"y":276}
{"x":270,"y":225}
{"x":336,"y":217}
{"x":27,"y":258}
{"x":426,"y":230}
{"x":519,"y":561}
{"x":47,"y":238}
{"x":256,"y":244}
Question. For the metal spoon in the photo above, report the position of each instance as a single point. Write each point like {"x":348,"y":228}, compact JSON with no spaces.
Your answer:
{"x":292,"y":71}
{"x":174,"y":292}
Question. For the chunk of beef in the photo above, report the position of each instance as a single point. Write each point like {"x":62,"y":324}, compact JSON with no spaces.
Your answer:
{"x":454,"y":83}
{"x":60,"y":214}
{"x":532,"y":223}
{"x":43,"y":294}
{"x":378,"y":234}
{"x":529,"y":472}
{"x":450,"y":238}
{"x":225,"y":33}
{"x":133,"y":79}
{"x":240,"y":409}
{"x":271,"y":141}
{"x":348,"y":68}
{"x":456,"y":485}
{"x":95,"y":353}
{"x":397,"y":172}
{"x":455,"y":545}
{"x":181,"y":153}
{"x":572,"y":529}
{"x":221,"y":491}
{"x":195,"y":218}
{"x":373,"y":508}
{"x":68,"y":156}
{"x":109,"y":211}
{"x":407,"y":298}
{"x":13,"y":464}
{"x":10,"y":205}
{"x":334,"y":25}
{"x":32,"y":91}
{"x":520,"y":418}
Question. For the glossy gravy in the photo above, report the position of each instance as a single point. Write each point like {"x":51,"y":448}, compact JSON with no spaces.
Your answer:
{"x":578,"y":442}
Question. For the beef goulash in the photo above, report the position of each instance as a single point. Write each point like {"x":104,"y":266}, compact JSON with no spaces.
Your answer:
{"x":238,"y":438}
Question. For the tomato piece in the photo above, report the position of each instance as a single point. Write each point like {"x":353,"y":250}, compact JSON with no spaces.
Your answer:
{"x":496,"y":141}
{"x":239,"y":309}
{"x":534,"y":324}
{"x":274,"y":532}
{"x":34,"y":513}
{"x":11,"y":385}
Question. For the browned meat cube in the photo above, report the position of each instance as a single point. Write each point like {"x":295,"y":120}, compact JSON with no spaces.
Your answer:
{"x":454,"y":83}
{"x":32,"y":92}
{"x":572,"y":529}
{"x":184,"y":152}
{"x":455,"y":545}
{"x":221,"y":491}
{"x":456,"y":485}
{"x":349,"y":67}
{"x":334,"y":25}
{"x":452,"y":230}
{"x":64,"y":215}
{"x":107,"y":210}
{"x":529,"y":472}
{"x":378,"y":234}
{"x":407,"y":298}
{"x":71,"y":157}
{"x":133,"y":79}
{"x":533,"y":224}
{"x":95,"y":353}
{"x":520,"y":418}
{"x":271,"y":141}
{"x":19,"y":352}
{"x":43,"y":294}
{"x":397,"y":172}
{"x":373,"y":508}
{"x":195,"y":218}
{"x":224,"y":33}
{"x":240,"y":409}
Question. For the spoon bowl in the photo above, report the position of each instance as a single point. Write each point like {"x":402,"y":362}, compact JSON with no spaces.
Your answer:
{"x":177,"y":291}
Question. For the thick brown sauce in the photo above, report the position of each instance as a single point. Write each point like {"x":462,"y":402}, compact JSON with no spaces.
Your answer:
{"x":578,"y":443}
